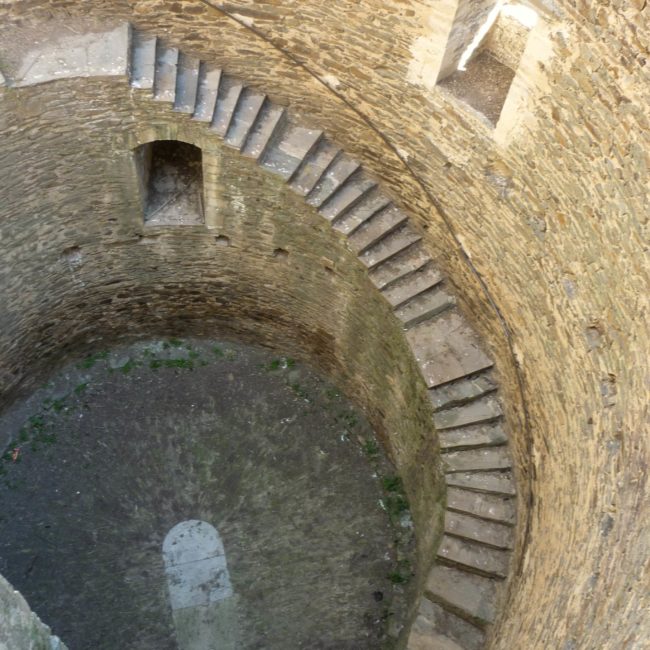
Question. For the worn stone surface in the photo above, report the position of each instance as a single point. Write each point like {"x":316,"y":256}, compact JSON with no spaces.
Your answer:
{"x":20,"y":627}
{"x":201,"y":494}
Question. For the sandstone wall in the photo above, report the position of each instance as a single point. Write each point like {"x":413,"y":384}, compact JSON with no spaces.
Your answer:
{"x":541,"y":224}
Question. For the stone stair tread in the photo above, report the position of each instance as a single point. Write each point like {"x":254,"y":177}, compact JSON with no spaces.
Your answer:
{"x":469,"y":595}
{"x":425,"y":306}
{"x":435,"y":625}
{"x":461,"y":391}
{"x":370,"y":205}
{"x":486,"y":506}
{"x":474,"y":557}
{"x":248,"y":108}
{"x":399,"y":267}
{"x":413,"y":284}
{"x":338,"y":172}
{"x":259,"y":137}
{"x":207,"y":91}
{"x":187,"y":79}
{"x":478,"y":435}
{"x":479,"y":530}
{"x":485,"y":458}
{"x":424,"y":637}
{"x":378,"y":226}
{"x":286,"y":154}
{"x":229,"y":91}
{"x":491,"y":482}
{"x":164,"y":85}
{"x":446,"y":348}
{"x":480,"y":410}
{"x":143,"y":60}
{"x":347,"y":196}
{"x":389,"y":246}
{"x":313,"y":167}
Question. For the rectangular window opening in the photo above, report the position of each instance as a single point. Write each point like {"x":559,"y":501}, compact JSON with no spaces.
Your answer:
{"x":171,"y":183}
{"x":486,"y":68}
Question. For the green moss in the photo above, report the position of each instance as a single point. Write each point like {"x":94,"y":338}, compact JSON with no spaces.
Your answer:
{"x":92,"y":359}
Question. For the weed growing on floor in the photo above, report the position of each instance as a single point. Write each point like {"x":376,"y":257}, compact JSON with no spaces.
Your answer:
{"x":92,"y":359}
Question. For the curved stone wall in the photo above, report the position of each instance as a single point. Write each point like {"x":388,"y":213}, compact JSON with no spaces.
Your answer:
{"x":540,"y":226}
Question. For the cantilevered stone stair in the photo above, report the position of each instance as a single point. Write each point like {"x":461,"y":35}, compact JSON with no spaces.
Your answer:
{"x":462,"y":590}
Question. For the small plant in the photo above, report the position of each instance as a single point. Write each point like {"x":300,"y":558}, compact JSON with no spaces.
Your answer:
{"x":218,"y":352}
{"x":371,"y":448}
{"x":92,"y":359}
{"x":80,"y":389}
{"x":397,"y":578}
{"x":281,"y":364}
{"x":128,"y":366}
{"x":300,"y":391}
{"x":392,"y":483}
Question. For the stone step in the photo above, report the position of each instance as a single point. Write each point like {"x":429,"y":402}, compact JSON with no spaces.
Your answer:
{"x":429,"y":640}
{"x":490,"y":533}
{"x":425,"y":306}
{"x":486,"y":506}
{"x":468,"y":595}
{"x":446,"y":348}
{"x":207,"y":91}
{"x":314,"y":166}
{"x":409,"y":261}
{"x":486,"y":458}
{"x":286,"y":153}
{"x":473,"y":557}
{"x":143,"y":60}
{"x":261,"y":135}
{"x":347,"y":196}
{"x":371,"y":204}
{"x":461,"y":391}
{"x":489,"y":434}
{"x":481,"y":409}
{"x":164,"y":83}
{"x":336,"y":174}
{"x":491,"y":482}
{"x":376,"y":228}
{"x":411,"y":285}
{"x":187,"y":80}
{"x":248,"y":108}
{"x":437,"y":628}
{"x":389,"y":246}
{"x":229,"y":91}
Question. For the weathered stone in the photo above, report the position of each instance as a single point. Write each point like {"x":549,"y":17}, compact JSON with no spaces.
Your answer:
{"x":471,"y":595}
{"x":487,"y":506}
{"x":474,"y":556}
{"x":248,"y":108}
{"x":477,"y":435}
{"x":378,"y":226}
{"x":490,"y":482}
{"x":425,"y":306}
{"x":187,"y":79}
{"x":477,"y":459}
{"x":411,"y":285}
{"x":207,"y":91}
{"x":446,"y":349}
{"x":479,"y":530}
{"x":390,"y":246}
{"x":341,"y":168}
{"x":480,"y":410}
{"x":461,"y":391}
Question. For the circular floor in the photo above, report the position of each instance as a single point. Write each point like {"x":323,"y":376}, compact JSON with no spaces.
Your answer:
{"x":287,"y":527}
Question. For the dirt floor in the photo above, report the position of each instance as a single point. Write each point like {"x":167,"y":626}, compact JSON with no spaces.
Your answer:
{"x":121,"y":447}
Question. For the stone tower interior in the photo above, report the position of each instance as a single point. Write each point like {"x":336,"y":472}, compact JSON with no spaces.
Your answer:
{"x":439,"y":208}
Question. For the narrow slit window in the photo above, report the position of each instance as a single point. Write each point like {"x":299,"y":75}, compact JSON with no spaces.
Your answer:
{"x":171,"y":183}
{"x":484,"y":71}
